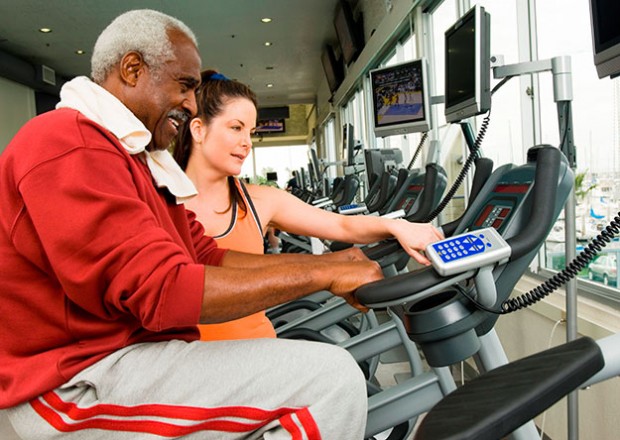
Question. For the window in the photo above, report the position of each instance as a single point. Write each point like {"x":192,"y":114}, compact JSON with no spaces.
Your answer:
{"x":595,"y":116}
{"x":282,"y":160}
{"x":504,"y":137}
{"x":404,"y":51}
{"x":328,"y":134}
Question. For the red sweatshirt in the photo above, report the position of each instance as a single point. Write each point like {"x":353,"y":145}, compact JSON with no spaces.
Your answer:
{"x":92,"y":257}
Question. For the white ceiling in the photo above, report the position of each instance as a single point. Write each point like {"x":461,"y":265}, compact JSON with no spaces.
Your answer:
{"x":230,"y":35}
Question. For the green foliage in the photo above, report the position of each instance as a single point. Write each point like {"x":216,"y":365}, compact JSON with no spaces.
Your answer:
{"x":262,"y":180}
{"x":580,"y":191}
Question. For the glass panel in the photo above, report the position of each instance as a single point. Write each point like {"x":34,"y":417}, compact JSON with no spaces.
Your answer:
{"x":503,"y":141}
{"x":282,"y":160}
{"x":595,"y":110}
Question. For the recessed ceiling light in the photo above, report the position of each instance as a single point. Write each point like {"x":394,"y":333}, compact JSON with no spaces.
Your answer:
{"x":45,"y":30}
{"x":266,"y":20}
{"x":268,"y":43}
{"x":80,"y":52}
{"x":269,"y":85}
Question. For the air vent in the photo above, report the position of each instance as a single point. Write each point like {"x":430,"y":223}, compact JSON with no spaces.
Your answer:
{"x":47,"y":75}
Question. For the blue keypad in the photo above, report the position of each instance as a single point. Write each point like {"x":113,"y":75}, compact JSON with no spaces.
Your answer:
{"x":461,"y":247}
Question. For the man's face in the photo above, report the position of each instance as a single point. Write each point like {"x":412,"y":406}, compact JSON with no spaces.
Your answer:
{"x":164,"y":99}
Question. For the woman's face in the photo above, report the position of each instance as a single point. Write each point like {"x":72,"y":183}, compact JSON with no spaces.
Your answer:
{"x":224,"y":142}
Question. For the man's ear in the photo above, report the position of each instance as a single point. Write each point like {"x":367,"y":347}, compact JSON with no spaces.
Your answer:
{"x":131,"y":67}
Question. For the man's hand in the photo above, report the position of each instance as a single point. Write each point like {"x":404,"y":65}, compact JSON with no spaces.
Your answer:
{"x":350,"y":254}
{"x":349,"y":276}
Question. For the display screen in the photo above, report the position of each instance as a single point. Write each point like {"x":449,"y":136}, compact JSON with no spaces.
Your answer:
{"x":468,"y":66}
{"x":400,"y":99}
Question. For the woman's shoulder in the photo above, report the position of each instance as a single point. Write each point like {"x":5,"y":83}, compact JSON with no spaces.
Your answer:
{"x":262,"y":189}
{"x":265,"y":196}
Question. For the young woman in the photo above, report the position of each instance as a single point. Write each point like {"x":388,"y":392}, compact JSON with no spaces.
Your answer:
{"x":212,"y":147}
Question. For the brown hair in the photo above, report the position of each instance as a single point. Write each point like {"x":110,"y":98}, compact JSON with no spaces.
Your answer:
{"x":211,"y":95}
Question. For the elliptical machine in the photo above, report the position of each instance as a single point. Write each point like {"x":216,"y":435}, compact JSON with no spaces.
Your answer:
{"x":451,"y":317}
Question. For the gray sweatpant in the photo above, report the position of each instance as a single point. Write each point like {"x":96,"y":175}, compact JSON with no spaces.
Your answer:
{"x":267,"y":388}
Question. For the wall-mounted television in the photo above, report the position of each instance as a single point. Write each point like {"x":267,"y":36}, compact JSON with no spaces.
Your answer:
{"x":270,"y":126}
{"x":400,"y":98}
{"x":349,"y":32}
{"x":332,"y":67}
{"x":605,"y":18}
{"x":468,"y":66}
{"x":349,"y":146}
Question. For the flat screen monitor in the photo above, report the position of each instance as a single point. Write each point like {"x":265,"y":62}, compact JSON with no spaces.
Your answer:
{"x":332,"y":68}
{"x":314,"y":159}
{"x":379,"y":160}
{"x":303,"y":178}
{"x":468,"y":66}
{"x":314,"y":182}
{"x":349,"y":145}
{"x":348,"y":32}
{"x":605,"y":17}
{"x":400,"y":98}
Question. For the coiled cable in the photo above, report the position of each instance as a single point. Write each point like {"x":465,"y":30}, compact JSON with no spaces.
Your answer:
{"x":566,"y":274}
{"x":457,"y":182}
{"x":417,"y":151}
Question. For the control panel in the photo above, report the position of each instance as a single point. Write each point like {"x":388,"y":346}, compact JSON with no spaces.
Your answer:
{"x":469,"y":250}
{"x":501,"y":204}
{"x":408,"y":199}
{"x":352,"y":209}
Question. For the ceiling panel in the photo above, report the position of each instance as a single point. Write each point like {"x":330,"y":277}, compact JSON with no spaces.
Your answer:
{"x":230,"y":35}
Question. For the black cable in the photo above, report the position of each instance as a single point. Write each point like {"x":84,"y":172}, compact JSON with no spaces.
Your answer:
{"x":569,"y":272}
{"x":473,"y":155}
{"x":480,"y":306}
{"x":501,"y":83}
{"x":565,"y":134}
{"x":417,"y":151}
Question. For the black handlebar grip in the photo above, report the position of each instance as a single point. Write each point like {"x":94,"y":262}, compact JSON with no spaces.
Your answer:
{"x":428,"y":194}
{"x":548,"y":161}
{"x":399,"y":286}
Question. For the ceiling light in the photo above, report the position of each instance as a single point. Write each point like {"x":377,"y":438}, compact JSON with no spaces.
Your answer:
{"x":269,"y":85}
{"x":268,"y":43}
{"x":80,"y":52}
{"x":266,"y":20}
{"x":45,"y":30}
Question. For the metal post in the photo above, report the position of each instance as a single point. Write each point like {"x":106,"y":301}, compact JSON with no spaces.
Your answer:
{"x":560,"y":67}
{"x":563,"y":95}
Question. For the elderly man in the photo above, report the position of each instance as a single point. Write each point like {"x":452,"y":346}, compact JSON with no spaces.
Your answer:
{"x":104,"y":274}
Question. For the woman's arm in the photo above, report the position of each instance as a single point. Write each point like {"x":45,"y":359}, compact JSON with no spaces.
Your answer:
{"x":286,"y":212}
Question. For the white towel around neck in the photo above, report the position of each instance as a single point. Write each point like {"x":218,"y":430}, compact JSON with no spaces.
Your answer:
{"x":99,"y":105}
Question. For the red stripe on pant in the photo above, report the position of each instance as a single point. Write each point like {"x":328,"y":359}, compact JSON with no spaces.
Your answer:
{"x":307,"y":423}
{"x":90,"y":418}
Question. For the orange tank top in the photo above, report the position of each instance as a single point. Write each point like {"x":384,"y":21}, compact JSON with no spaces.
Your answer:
{"x":243,"y":234}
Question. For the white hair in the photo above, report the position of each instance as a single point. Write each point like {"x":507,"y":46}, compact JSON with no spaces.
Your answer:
{"x":142,"y":30}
